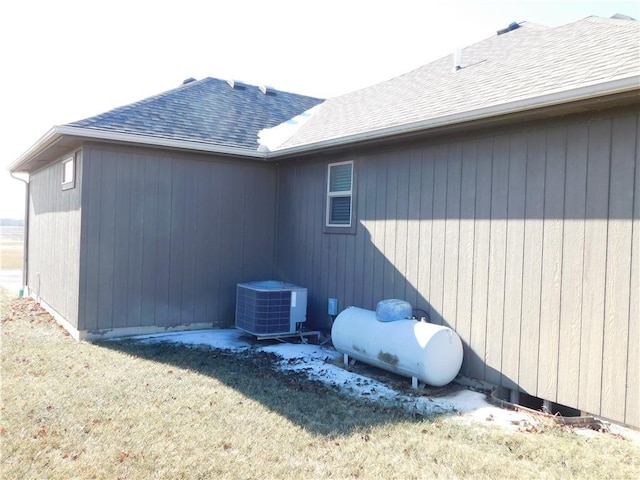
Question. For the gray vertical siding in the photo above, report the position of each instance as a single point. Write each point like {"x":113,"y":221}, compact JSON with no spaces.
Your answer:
{"x":526,"y":243}
{"x":475,"y":366}
{"x":166,"y":238}
{"x":632,"y":412}
{"x":617,"y":339}
{"x":54,"y":239}
{"x":542,"y":354}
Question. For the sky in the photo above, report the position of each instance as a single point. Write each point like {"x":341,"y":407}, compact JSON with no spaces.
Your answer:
{"x":67,"y":60}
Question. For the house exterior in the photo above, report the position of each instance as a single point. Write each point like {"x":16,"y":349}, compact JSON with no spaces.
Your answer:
{"x":498,"y":194}
{"x":144,"y":218}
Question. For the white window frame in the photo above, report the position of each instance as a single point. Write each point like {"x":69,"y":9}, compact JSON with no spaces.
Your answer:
{"x":343,"y":193}
{"x":69,"y":173}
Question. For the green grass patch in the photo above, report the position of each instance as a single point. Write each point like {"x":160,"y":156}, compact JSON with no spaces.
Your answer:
{"x":132,"y":410}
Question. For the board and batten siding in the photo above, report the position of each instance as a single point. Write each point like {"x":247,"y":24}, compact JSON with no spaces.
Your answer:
{"x":526,"y":243}
{"x":166,"y":237}
{"x":54,"y":239}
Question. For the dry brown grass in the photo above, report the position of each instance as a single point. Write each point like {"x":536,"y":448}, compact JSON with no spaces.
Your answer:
{"x":10,"y":255}
{"x":11,"y":247}
{"x":131,"y":410}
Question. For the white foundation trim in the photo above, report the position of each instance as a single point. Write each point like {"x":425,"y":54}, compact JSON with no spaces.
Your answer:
{"x":111,"y":333}
{"x":63,"y":322}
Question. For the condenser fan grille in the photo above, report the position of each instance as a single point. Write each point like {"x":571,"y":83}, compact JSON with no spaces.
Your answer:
{"x":263,"y":312}
{"x":270,"y":307}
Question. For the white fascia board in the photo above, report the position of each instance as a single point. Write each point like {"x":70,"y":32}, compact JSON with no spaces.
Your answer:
{"x":620,"y":85}
{"x":56,"y":133}
{"x":120,"y":137}
{"x":586,"y":92}
{"x":44,"y":142}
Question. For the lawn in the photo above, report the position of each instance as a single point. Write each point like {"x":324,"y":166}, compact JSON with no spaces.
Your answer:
{"x":10,"y":255}
{"x":133,"y":410}
{"x":11,"y":247}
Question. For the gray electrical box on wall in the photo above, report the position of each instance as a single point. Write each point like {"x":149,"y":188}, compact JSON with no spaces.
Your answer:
{"x":333,"y":307}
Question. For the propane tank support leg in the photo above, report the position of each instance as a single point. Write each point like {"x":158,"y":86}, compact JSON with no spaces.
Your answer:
{"x":414,"y":383}
{"x":345,"y":359}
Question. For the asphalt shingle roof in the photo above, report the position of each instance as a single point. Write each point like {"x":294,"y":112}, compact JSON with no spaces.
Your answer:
{"x":209,"y":111}
{"x":524,"y":63}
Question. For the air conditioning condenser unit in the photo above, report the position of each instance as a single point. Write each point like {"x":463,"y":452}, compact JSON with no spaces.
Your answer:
{"x":270,"y":308}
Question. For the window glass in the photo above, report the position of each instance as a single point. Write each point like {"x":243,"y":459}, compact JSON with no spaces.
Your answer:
{"x":340,"y":178}
{"x":339,"y":194}
{"x":340,"y":211}
{"x":68,"y":172}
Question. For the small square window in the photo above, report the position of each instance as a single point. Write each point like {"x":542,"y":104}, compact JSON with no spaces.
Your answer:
{"x":68,"y":173}
{"x":339,"y":210}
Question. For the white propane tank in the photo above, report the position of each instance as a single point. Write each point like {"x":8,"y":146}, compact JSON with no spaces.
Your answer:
{"x":428,"y":352}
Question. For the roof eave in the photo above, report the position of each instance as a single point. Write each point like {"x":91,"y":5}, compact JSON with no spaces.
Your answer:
{"x":157,"y":141}
{"x":47,"y":140}
{"x":559,"y":97}
{"x":54,"y":135}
